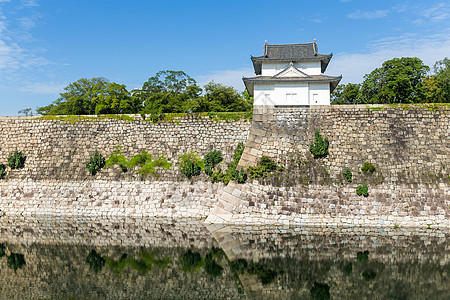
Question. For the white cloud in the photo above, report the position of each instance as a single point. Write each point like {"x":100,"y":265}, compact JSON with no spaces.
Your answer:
{"x":439,"y":12}
{"x":374,"y":14}
{"x":30,"y":3}
{"x":16,"y":57}
{"x":353,"y":66}
{"x":227,"y":77}
{"x":317,"y":20}
{"x":45,"y":88}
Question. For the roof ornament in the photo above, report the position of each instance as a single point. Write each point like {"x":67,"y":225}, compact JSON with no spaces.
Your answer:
{"x":265,"y":48}
{"x":315,"y":49}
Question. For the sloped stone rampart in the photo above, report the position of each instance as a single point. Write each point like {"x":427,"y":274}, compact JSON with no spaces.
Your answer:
{"x":409,"y":146}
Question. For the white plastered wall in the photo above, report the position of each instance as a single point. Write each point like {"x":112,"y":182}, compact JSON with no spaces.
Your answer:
{"x":319,"y":93}
{"x":292,"y":94}
{"x":281,"y":94}
{"x":310,"y":68}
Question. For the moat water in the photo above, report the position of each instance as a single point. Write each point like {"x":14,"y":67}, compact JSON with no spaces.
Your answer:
{"x":91,"y":258}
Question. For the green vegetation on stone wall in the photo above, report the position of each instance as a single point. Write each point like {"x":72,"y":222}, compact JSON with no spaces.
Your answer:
{"x":16,"y":160}
{"x":319,"y":148}
{"x":211,"y":160}
{"x":231,"y":173}
{"x":191,"y":164}
{"x":2,"y":171}
{"x":263,"y":168}
{"x":95,"y":163}
{"x":368,"y":168}
{"x":146,"y":164}
{"x":362,"y":190}
{"x":117,"y":158}
{"x":348,"y":175}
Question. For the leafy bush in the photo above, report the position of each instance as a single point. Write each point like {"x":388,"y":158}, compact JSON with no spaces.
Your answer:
{"x":117,"y":158}
{"x":95,"y":261}
{"x":320,"y":291}
{"x":191,"y":261}
{"x":16,"y":160}
{"x":348,"y":175}
{"x":95,"y":163}
{"x":368,"y":168}
{"x":319,"y":148}
{"x":362,"y":190}
{"x":147,"y":165}
{"x":238,"y":152}
{"x":2,"y":171}
{"x":264,"y":167}
{"x":191,"y":164}
{"x":239,"y":176}
{"x":15,"y":261}
{"x":211,"y":160}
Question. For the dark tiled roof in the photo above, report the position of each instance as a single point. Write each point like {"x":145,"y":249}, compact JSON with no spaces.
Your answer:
{"x":250,"y":81}
{"x":290,"y":52}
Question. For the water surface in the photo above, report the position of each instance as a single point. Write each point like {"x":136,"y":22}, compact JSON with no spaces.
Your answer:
{"x":88,"y":258}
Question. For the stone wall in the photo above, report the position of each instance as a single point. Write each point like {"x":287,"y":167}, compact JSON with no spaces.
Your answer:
{"x":58,"y":148}
{"x":409,"y":146}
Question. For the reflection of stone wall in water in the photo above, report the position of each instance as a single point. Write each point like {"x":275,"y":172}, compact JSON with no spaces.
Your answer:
{"x":408,"y":263}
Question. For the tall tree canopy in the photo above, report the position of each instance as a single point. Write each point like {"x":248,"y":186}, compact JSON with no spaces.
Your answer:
{"x":397,"y":81}
{"x":346,"y":94}
{"x":220,"y":98}
{"x":168,"y":92}
{"x":91,"y":96}
{"x":436,"y":88}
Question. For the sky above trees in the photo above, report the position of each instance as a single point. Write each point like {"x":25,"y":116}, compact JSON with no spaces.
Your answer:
{"x":46,"y":45}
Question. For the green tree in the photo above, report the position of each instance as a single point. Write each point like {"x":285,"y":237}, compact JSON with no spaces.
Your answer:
{"x":436,"y":88}
{"x":346,"y":94}
{"x":397,"y":81}
{"x":221,"y":98}
{"x":168,"y":92}
{"x":91,"y":96}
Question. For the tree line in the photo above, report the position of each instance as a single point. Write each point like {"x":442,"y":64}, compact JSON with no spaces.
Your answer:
{"x":166,"y":92}
{"x":399,"y":80}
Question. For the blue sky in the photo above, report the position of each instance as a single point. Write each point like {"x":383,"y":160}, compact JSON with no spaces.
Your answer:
{"x":47,"y":44}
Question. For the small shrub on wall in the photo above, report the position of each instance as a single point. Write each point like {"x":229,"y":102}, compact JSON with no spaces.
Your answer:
{"x":362,"y":190}
{"x":368,"y":168}
{"x":2,"y":171}
{"x":16,"y":160}
{"x":117,"y":158}
{"x":348,"y":175}
{"x":264,"y":167}
{"x":191,"y":164}
{"x":211,"y":160}
{"x":147,"y":164}
{"x":319,"y":148}
{"x":95,"y":163}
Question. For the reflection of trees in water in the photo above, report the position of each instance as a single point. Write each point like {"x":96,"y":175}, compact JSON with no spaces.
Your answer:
{"x":14,"y":261}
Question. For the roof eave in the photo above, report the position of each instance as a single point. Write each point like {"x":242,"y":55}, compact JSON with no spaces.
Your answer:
{"x":249,"y":86}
